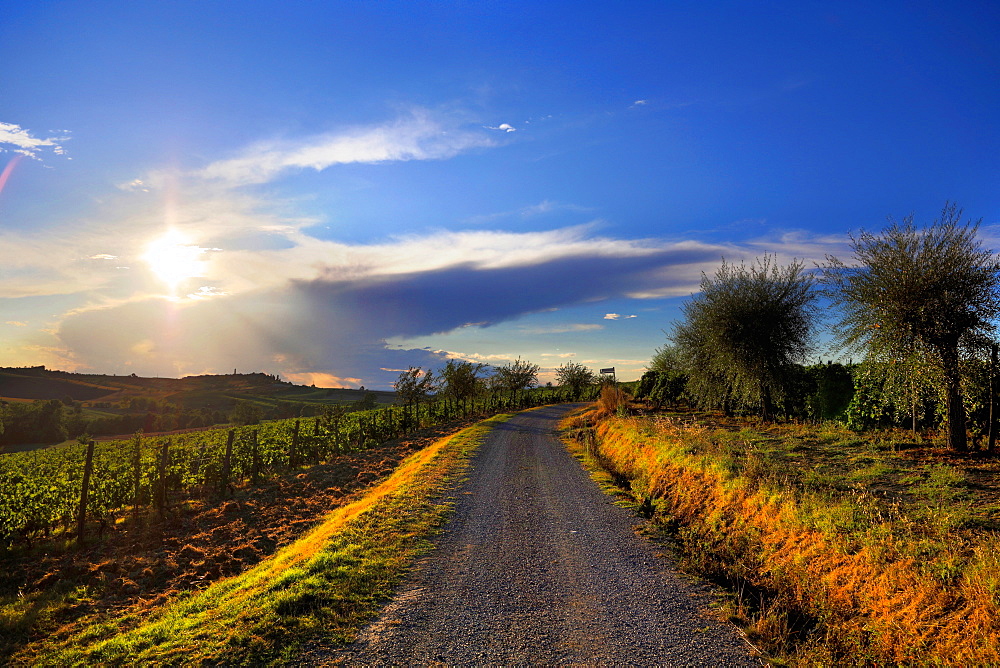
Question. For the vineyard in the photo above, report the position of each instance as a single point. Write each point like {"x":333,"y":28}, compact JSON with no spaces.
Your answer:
{"x":68,"y":489}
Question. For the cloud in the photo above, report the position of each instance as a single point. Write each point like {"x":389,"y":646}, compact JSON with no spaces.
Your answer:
{"x":324,"y":380}
{"x":505,"y":127}
{"x":273,"y":297}
{"x":17,"y":323}
{"x":417,"y":136}
{"x":135,"y":185}
{"x":639,"y":103}
{"x":16,"y":139}
{"x":338,"y":320}
{"x":325,"y":307}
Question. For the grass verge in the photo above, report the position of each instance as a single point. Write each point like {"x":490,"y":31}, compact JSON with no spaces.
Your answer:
{"x":330,"y":582}
{"x":841,"y":550}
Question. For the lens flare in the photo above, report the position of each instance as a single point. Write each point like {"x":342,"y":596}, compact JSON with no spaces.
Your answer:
{"x":7,"y":170}
{"x":174,"y":259}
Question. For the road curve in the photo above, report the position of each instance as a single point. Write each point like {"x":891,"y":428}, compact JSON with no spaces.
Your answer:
{"x":537,"y":566}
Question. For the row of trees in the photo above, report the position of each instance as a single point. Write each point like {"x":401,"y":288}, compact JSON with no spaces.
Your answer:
{"x":918,"y":305}
{"x":462,"y":380}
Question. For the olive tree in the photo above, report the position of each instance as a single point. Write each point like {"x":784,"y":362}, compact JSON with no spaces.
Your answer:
{"x":743,"y":333}
{"x":413,"y":385}
{"x":926,"y":295}
{"x":575,"y":376}
{"x":460,"y":379}
{"x":514,"y":376}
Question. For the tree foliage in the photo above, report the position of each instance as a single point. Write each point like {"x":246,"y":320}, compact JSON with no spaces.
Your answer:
{"x":576,"y":377}
{"x":916,"y":301}
{"x":517,"y":375}
{"x":413,"y":385}
{"x":460,"y":379}
{"x":742,"y":334}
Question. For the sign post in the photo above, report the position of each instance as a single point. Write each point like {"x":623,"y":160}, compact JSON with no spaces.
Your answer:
{"x":609,"y":371}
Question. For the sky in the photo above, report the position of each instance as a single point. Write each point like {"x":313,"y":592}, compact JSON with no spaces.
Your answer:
{"x":336,"y":191}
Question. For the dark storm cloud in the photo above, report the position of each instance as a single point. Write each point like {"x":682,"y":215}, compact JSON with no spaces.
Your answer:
{"x":340,"y":326}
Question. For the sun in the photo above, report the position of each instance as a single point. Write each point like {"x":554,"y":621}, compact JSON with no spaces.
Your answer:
{"x":174,"y":259}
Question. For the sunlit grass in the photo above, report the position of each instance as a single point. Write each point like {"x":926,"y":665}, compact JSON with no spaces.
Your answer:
{"x":328,"y":583}
{"x":841,"y":549}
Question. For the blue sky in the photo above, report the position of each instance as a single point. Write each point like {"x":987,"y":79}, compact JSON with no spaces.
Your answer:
{"x":336,"y":191}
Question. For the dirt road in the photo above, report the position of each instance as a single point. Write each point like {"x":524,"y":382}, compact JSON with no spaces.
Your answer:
{"x":537,"y":566}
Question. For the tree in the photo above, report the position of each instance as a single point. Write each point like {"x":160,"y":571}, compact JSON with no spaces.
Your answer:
{"x":413,"y":385}
{"x":927,"y":295}
{"x":460,"y":379}
{"x":665,"y":358}
{"x":575,"y":376}
{"x":743,"y":333}
{"x":367,"y":402}
{"x":517,"y":375}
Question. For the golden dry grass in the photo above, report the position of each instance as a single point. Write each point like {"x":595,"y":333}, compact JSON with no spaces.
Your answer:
{"x":885,"y":592}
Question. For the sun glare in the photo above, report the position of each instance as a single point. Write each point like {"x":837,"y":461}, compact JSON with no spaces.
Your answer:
{"x":174,"y":259}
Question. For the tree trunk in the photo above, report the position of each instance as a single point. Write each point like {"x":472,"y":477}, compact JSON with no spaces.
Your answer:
{"x":767,"y":408}
{"x":992,"y":438}
{"x":955,"y":408}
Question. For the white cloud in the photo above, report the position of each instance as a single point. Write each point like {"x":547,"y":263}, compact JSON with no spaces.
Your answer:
{"x":135,"y":185}
{"x":417,"y":136}
{"x":505,"y":127}
{"x":18,"y":140}
{"x":207,"y":292}
{"x":639,"y":103}
{"x":17,"y":323}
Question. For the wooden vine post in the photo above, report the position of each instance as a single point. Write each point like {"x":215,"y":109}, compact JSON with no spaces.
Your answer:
{"x":88,"y":469}
{"x":136,"y":473}
{"x":293,"y":451}
{"x":227,"y":462}
{"x":161,"y":500}
{"x":255,"y":457}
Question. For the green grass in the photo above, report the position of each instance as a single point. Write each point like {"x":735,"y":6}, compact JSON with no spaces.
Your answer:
{"x":327,"y":584}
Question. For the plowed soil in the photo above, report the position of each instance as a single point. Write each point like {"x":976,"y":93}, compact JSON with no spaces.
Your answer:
{"x":143,"y":563}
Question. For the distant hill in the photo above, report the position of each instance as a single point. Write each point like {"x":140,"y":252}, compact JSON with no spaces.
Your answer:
{"x":41,"y":383}
{"x":101,"y":404}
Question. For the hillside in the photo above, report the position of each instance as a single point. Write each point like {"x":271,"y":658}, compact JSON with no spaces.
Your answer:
{"x":100,"y":404}
{"x":41,"y":383}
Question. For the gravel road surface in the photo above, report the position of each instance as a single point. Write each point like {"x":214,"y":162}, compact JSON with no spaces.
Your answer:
{"x":538,"y":567}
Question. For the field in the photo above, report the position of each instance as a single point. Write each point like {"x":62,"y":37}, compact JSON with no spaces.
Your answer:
{"x":171,"y":514}
{"x":838,"y":547}
{"x":52,"y":593}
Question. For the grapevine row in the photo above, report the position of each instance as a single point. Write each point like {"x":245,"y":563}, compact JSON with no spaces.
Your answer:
{"x":41,"y":491}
